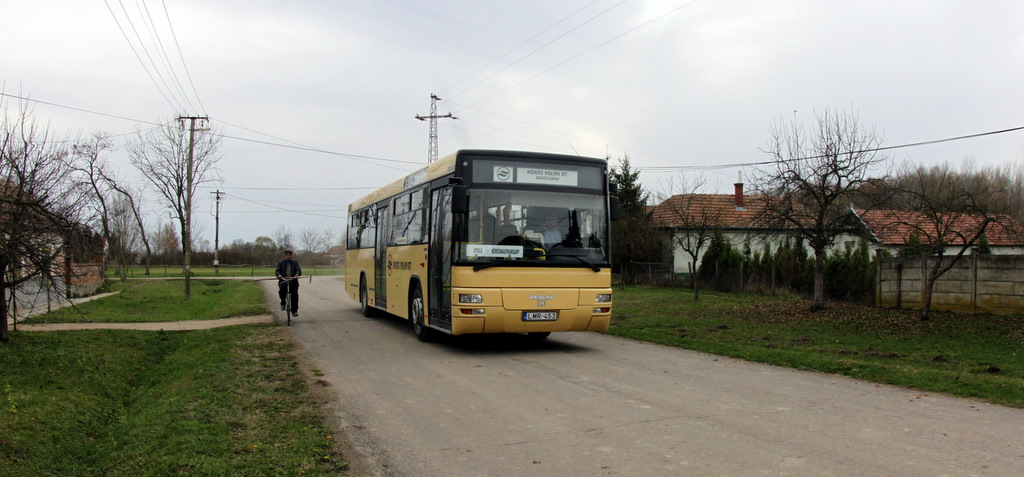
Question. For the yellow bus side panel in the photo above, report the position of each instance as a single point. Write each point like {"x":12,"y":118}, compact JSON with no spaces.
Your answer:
{"x":357,"y":263}
{"x":403,"y":263}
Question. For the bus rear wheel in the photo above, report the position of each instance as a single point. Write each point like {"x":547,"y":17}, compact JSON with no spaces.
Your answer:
{"x":416,"y":315}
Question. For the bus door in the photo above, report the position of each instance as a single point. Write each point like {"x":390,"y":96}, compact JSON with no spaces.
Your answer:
{"x":380,"y":258}
{"x":439,"y":289}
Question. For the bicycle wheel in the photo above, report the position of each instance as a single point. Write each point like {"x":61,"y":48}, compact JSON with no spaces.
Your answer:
{"x":288,"y":307}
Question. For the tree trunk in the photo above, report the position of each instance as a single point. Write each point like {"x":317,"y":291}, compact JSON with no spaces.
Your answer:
{"x":4,"y":334}
{"x":819,"y":280}
{"x":929,"y":287}
{"x":693,"y":279}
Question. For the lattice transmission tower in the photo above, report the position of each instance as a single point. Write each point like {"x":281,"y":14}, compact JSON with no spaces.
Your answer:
{"x":432,"y":144}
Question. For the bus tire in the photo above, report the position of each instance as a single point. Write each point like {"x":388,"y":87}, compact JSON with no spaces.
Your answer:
{"x":364,"y":298}
{"x":416,"y":315}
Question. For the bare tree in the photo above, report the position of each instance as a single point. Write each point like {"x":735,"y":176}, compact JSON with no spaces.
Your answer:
{"x":283,"y":238}
{"x":135,"y":204}
{"x":40,"y":208}
{"x":329,"y":238}
{"x":176,"y":161}
{"x":1008,"y":180}
{"x":310,"y":239}
{"x":92,"y":171}
{"x":693,"y":221}
{"x":124,"y":234}
{"x":947,"y":212}
{"x":813,"y":180}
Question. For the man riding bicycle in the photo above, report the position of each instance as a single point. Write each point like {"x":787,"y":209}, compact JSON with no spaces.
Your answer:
{"x":288,"y":270}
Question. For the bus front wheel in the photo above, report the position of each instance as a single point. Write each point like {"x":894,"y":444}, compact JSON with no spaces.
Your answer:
{"x":364,"y":298}
{"x":416,"y":315}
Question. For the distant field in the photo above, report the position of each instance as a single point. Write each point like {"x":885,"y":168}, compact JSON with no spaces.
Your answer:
{"x":170,"y":271}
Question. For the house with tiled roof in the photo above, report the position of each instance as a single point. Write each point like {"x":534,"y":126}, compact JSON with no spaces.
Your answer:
{"x":894,"y":229}
{"x":734,"y":215}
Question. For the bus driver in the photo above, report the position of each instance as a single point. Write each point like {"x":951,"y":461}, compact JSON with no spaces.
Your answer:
{"x":552,"y":236}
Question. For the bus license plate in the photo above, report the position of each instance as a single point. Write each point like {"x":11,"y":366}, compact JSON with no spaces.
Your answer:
{"x":540,"y":315}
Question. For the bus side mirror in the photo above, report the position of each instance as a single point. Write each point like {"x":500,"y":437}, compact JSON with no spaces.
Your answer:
{"x":460,"y":199}
{"x":613,"y":208}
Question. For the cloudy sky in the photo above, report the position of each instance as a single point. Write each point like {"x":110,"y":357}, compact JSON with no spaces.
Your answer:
{"x":681,"y":86}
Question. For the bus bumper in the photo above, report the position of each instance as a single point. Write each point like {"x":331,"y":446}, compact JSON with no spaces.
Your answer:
{"x":500,"y":320}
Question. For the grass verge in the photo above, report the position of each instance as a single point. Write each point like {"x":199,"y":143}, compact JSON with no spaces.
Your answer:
{"x":164,"y":300}
{"x":978,"y":356}
{"x":175,"y":271}
{"x":227,"y":401}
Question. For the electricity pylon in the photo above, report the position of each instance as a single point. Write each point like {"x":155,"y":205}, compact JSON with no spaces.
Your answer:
{"x":432,"y":145}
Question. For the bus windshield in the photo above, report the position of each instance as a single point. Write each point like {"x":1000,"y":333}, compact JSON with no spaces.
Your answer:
{"x":523,"y":227}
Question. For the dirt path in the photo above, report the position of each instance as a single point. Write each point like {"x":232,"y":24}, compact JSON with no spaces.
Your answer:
{"x":150,"y":326}
{"x":153,"y":326}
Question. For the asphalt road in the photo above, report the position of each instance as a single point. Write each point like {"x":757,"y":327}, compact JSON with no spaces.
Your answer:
{"x":586,"y":404}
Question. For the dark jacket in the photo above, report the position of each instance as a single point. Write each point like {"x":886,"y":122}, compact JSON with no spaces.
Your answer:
{"x":288,"y":268}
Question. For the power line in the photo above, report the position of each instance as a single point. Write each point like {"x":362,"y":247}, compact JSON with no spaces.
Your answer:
{"x":160,"y":68}
{"x":182,"y":57}
{"x":559,"y":37}
{"x":24,"y":98}
{"x":154,"y":36}
{"x":518,"y":46}
{"x":820,"y":156}
{"x":284,"y":209}
{"x":299,"y":147}
{"x":324,"y":151}
{"x":659,"y":17}
{"x":132,"y":46}
{"x":156,"y":68}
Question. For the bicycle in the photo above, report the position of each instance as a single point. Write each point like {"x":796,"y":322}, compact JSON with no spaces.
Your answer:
{"x":287,"y":298}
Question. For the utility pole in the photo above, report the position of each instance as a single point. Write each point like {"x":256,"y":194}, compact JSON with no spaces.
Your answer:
{"x":432,"y":145}
{"x":187,"y":246}
{"x":216,"y":235}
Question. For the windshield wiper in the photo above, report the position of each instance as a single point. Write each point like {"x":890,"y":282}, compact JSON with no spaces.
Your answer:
{"x":589,"y":264}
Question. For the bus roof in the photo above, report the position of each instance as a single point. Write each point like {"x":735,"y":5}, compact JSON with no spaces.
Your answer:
{"x":445,"y":166}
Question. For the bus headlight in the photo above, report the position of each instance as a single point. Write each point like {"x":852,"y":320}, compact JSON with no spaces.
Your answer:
{"x":604,"y":298}
{"x":470,"y":298}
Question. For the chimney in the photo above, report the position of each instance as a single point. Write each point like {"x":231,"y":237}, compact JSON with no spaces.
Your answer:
{"x":739,"y":195}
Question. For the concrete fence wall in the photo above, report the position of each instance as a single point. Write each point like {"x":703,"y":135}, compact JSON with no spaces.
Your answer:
{"x":975,"y":284}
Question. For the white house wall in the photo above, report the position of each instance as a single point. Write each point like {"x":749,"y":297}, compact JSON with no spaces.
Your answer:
{"x":681,"y":260}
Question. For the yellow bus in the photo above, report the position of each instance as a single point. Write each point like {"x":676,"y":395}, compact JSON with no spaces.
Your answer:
{"x":486,"y":241}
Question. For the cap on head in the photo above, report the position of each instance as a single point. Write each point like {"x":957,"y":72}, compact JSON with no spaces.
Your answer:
{"x":287,"y":252}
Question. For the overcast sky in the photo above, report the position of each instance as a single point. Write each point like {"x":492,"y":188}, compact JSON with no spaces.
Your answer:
{"x":674,"y":83}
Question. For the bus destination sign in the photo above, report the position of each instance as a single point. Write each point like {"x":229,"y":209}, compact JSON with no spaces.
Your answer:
{"x":494,"y":251}
{"x":536,"y":175}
